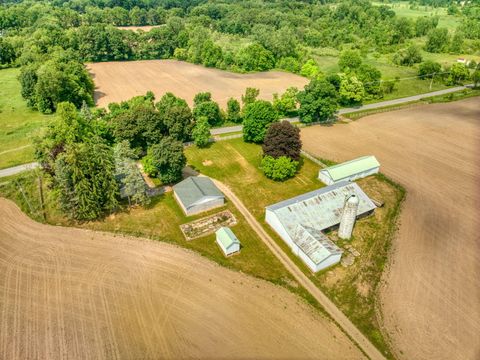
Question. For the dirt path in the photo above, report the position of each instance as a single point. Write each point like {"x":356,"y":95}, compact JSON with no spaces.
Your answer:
{"x":118,"y":81}
{"x":71,"y":293}
{"x":431,"y":302}
{"x":329,"y":306}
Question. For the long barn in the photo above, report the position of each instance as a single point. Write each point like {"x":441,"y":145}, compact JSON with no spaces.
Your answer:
{"x":349,"y":170}
{"x":300,"y":221}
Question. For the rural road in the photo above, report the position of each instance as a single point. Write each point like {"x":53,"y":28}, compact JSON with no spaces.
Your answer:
{"x":230,"y":129}
{"x":369,"y":349}
{"x":17,"y":169}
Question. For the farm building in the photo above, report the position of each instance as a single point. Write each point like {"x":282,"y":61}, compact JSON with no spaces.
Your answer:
{"x":197,"y":194}
{"x":300,"y":221}
{"x":350,"y":170}
{"x":227,"y":241}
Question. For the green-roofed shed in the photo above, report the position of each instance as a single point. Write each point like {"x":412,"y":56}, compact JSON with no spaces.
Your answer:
{"x":197,"y":194}
{"x":227,"y":241}
{"x":350,"y":170}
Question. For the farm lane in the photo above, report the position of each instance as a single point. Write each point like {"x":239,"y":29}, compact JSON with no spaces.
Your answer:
{"x":371,"y":351}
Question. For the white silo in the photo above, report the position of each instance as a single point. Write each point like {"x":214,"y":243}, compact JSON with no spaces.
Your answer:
{"x":348,"y":217}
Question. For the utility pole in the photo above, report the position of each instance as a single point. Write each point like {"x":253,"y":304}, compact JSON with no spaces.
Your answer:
{"x":42,"y":204}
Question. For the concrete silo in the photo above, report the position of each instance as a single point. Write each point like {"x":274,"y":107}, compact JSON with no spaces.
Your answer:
{"x":348,"y":217}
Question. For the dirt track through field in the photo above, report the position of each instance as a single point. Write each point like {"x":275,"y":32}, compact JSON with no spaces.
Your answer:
{"x":431,"y":302}
{"x":71,"y":293}
{"x":118,"y":81}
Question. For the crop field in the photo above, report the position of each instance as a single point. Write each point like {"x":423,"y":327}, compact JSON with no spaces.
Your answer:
{"x":73,"y":293}
{"x":118,"y":81}
{"x":430,"y":296}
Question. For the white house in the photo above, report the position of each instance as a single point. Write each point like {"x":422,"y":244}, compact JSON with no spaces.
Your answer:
{"x":350,"y":170}
{"x":227,"y":241}
{"x":197,"y":194}
{"x":300,"y":221}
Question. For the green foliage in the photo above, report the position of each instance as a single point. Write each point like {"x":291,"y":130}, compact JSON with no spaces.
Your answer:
{"x":458,"y":73}
{"x":476,"y":78}
{"x":201,"y":132}
{"x":428,"y":69}
{"x":318,"y":102}
{"x":289,"y":64}
{"x":250,"y":96}
{"x":201,"y":97}
{"x":371,"y":79}
{"x":257,"y":118}
{"x":286,"y":104}
{"x":149,"y":165}
{"x":310,"y":69}
{"x":256,"y":58}
{"x":176,"y":116}
{"x":7,"y":52}
{"x":456,"y":45}
{"x":437,"y":41}
{"x":84,"y":179}
{"x":351,"y":90}
{"x":168,"y":159}
{"x":209,"y":110}
{"x":279,"y":169}
{"x":408,"y":56}
{"x":282,"y":139}
{"x":349,"y":60}
{"x":130,"y":181}
{"x":233,"y":111}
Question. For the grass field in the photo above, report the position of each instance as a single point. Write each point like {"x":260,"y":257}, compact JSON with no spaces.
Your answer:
{"x":18,"y":123}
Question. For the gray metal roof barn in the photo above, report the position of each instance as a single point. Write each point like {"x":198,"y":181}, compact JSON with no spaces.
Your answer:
{"x":301,"y":220}
{"x":197,"y":194}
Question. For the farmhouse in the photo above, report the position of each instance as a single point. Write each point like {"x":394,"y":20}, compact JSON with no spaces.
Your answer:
{"x":300,"y":221}
{"x":197,"y":194}
{"x":227,"y":241}
{"x":350,"y":170}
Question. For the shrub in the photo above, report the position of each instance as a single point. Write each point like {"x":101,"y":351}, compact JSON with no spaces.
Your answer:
{"x":279,"y":169}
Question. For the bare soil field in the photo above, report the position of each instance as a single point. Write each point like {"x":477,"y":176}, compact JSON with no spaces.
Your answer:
{"x":431,"y":296}
{"x":145,"y":28}
{"x":71,"y":293}
{"x":118,"y":81}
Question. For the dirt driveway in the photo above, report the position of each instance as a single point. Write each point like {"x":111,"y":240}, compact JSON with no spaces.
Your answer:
{"x":118,"y":81}
{"x":70,"y":293}
{"x":431,"y":301}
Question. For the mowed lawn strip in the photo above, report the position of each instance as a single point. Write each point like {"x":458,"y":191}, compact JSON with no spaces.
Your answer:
{"x":18,"y":123}
{"x":353,"y":289}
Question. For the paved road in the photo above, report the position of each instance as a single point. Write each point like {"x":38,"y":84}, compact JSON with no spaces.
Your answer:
{"x":17,"y":169}
{"x":230,"y":129}
{"x":369,"y":349}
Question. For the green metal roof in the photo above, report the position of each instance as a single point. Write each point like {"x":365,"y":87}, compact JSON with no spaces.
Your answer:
{"x":226,"y":237}
{"x":355,"y":166}
{"x":195,"y":188}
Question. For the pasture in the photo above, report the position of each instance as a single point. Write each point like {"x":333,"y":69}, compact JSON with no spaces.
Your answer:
{"x":18,"y":123}
{"x":430,"y":297}
{"x":118,"y":81}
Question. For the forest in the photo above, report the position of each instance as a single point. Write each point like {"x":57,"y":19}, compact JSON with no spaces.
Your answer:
{"x":52,"y":39}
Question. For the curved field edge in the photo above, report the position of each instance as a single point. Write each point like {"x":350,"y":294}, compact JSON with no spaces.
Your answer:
{"x":362,"y":310}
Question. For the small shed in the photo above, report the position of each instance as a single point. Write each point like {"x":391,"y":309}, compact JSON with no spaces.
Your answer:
{"x":227,"y":241}
{"x":350,"y":170}
{"x":197,"y":194}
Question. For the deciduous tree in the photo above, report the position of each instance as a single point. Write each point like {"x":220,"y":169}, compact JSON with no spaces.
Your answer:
{"x":282,"y":139}
{"x":258,"y":116}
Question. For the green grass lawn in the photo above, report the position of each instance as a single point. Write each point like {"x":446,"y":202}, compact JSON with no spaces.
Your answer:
{"x":18,"y":123}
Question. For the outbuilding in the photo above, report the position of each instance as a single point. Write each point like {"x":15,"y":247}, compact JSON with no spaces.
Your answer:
{"x":227,"y":241}
{"x":197,"y":194}
{"x":302,"y":220}
{"x":350,"y":170}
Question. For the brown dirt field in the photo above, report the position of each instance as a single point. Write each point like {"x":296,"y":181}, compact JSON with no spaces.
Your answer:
{"x":119,"y":81}
{"x":145,"y":28}
{"x":71,"y":293}
{"x":431,"y":299}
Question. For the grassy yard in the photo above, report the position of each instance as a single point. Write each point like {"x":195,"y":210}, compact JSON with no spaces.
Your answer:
{"x":353,"y":289}
{"x":18,"y":123}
